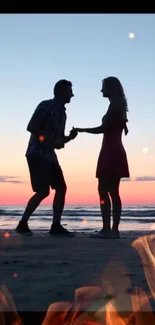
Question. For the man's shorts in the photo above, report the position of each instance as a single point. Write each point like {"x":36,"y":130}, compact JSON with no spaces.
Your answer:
{"x":44,"y":174}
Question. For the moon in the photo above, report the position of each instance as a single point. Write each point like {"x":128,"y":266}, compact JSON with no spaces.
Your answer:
{"x":131,"y":35}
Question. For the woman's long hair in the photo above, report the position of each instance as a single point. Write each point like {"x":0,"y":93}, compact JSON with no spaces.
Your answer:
{"x":115,"y":88}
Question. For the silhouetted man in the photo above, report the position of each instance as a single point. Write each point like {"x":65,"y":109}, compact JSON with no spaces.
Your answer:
{"x":47,"y":127}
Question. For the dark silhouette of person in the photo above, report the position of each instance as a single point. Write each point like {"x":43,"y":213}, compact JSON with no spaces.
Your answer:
{"x":47,"y":127}
{"x":112,"y":162}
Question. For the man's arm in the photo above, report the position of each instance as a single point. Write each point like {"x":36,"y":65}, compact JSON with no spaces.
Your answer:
{"x":72,"y":135}
{"x":37,"y":120}
{"x":36,"y":126}
{"x":44,"y":127}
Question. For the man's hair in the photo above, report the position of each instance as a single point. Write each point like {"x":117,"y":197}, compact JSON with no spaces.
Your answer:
{"x":60,"y":85}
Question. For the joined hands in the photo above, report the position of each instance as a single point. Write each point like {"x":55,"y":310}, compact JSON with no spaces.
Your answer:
{"x":76,"y":130}
{"x":73,"y":133}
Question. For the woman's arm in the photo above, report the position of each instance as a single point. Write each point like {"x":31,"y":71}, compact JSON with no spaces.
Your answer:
{"x":96,"y":130}
{"x":108,"y":121}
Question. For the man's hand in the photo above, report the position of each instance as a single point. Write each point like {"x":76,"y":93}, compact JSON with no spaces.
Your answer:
{"x":73,"y":134}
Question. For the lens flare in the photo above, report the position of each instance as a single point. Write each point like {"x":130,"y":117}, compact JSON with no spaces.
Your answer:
{"x":41,"y":138}
{"x":6,"y":235}
{"x":145,"y":150}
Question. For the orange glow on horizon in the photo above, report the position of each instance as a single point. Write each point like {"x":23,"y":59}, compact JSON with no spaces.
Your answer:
{"x":132,"y":193}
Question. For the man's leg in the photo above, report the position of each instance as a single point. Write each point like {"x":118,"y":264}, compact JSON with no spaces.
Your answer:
{"x":58,"y":183}
{"x":58,"y":203}
{"x":38,"y":171}
{"x":32,"y":204}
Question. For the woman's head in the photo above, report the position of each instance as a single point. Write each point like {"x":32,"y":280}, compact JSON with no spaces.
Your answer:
{"x":112,"y":88}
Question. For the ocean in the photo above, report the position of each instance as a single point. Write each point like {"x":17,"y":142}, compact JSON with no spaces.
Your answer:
{"x":79,"y":218}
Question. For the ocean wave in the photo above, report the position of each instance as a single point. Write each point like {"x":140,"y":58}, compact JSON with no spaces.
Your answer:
{"x":77,"y":214}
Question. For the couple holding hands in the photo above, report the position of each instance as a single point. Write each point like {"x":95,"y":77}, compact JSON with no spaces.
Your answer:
{"x":47,"y":128}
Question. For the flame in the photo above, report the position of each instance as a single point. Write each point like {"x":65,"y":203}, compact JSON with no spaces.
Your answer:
{"x":8,"y":313}
{"x":112,"y":303}
{"x":146,"y":249}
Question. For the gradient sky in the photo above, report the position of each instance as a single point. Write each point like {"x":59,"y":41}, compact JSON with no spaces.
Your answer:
{"x":39,"y":49}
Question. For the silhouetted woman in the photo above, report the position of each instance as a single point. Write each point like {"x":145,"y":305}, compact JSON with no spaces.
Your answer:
{"x":112,"y":162}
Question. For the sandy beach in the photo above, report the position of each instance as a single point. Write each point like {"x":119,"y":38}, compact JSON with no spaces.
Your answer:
{"x":42,"y":270}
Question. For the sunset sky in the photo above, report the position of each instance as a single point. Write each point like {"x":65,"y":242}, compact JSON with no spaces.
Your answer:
{"x":36,"y":51}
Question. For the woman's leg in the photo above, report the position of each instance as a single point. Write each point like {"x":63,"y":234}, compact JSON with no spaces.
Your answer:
{"x":116,"y":203}
{"x":105,"y":204}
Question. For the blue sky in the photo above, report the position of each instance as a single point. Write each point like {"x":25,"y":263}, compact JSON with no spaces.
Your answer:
{"x":39,"y":49}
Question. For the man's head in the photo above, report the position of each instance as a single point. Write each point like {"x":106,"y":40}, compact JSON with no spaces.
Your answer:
{"x":63,"y":91}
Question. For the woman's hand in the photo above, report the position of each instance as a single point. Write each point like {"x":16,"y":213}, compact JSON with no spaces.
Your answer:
{"x":78,"y":129}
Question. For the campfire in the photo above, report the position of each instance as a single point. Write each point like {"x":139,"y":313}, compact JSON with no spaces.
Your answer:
{"x":112,"y":303}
